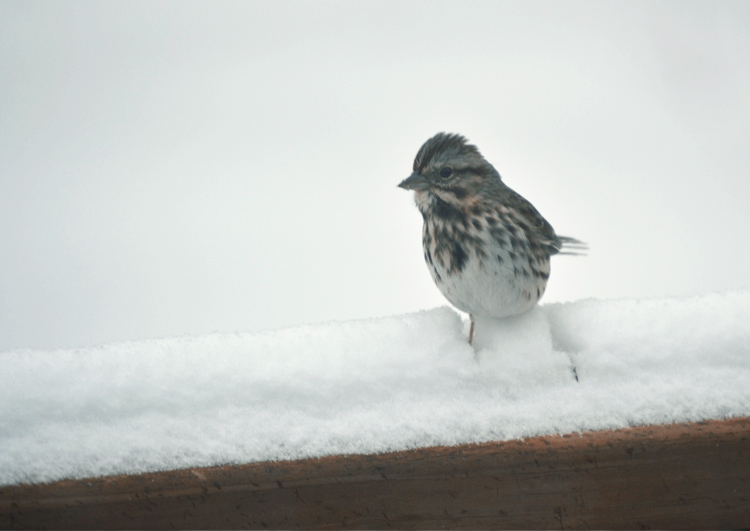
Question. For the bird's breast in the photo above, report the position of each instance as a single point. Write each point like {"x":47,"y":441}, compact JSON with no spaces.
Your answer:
{"x":484,"y":267}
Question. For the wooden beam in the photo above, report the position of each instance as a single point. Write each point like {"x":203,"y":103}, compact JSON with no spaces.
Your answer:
{"x":687,"y":476}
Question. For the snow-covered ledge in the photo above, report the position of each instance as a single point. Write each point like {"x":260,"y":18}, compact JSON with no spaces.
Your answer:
{"x":372,"y":387}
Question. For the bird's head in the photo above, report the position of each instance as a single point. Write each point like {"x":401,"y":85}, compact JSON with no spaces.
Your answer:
{"x":450,"y":168}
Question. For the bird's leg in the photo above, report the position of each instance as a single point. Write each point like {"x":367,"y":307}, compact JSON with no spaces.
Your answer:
{"x":471,"y":330}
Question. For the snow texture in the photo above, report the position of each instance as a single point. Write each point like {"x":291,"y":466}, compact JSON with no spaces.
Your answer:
{"x":371,"y":386}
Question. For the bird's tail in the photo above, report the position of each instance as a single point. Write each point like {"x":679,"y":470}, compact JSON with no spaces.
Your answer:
{"x":572,"y":247}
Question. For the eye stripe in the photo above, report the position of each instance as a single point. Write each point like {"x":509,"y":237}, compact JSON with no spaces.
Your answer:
{"x":468,"y":170}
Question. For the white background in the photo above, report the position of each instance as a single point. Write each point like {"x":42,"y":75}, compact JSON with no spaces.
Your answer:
{"x":182,"y":168}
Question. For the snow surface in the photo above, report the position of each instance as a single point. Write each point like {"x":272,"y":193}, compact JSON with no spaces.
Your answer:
{"x":371,"y":386}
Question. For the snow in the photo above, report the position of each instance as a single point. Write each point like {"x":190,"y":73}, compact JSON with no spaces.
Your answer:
{"x":371,"y":386}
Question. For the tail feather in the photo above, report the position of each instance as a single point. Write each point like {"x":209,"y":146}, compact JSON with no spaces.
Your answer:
{"x":571,"y":246}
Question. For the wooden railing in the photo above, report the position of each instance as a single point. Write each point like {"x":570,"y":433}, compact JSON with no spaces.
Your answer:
{"x":686,"y":476}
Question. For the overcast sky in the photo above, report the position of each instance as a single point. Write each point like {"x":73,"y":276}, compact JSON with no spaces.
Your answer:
{"x":179,"y":168}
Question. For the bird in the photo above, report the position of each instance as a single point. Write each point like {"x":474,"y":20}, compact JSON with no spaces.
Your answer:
{"x":487,"y":248}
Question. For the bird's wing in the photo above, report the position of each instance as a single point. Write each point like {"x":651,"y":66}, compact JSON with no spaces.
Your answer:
{"x":542,"y":231}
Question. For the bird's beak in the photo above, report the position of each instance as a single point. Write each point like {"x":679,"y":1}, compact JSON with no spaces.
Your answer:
{"x":415,"y":181}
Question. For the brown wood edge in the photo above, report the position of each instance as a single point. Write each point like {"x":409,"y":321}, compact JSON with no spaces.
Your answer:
{"x":689,"y":476}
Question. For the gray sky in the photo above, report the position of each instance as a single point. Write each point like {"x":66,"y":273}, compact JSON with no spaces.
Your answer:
{"x":181,"y":168}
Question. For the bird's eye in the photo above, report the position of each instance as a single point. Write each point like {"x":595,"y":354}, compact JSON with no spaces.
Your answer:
{"x":446,"y":172}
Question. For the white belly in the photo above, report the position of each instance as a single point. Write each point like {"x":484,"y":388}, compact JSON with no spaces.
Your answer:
{"x":499,"y":284}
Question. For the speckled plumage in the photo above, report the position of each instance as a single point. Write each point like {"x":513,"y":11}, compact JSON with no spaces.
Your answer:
{"x":488,"y":249}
